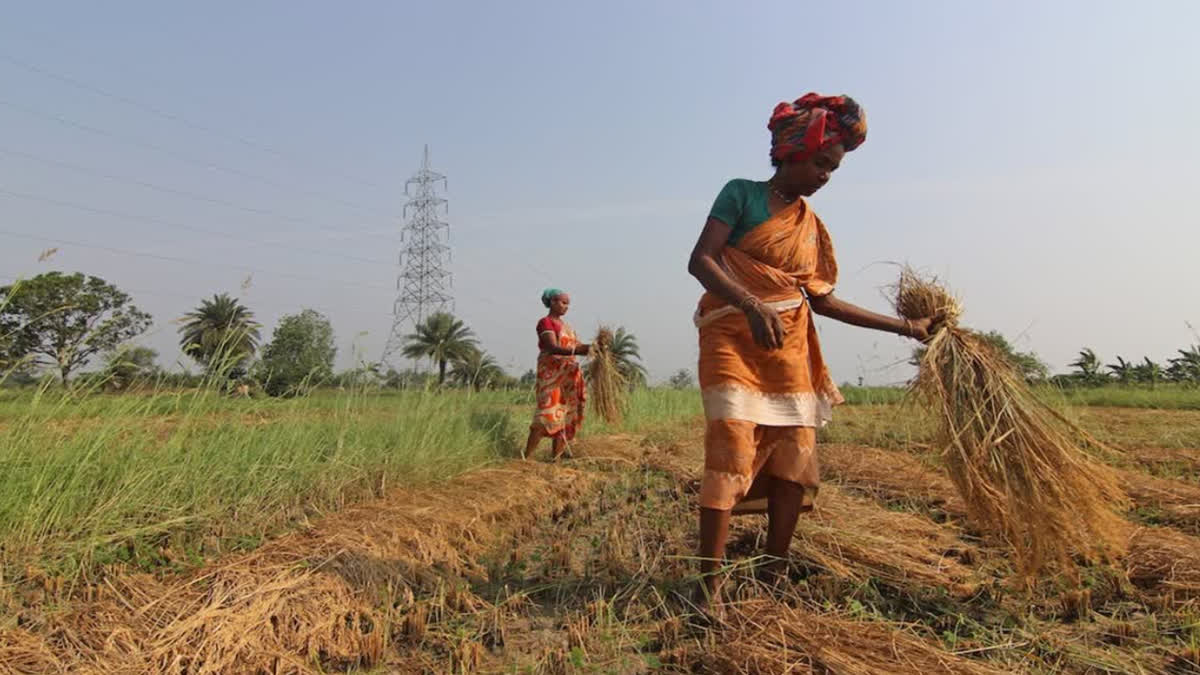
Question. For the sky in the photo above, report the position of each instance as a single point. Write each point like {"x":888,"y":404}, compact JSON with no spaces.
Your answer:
{"x":1041,"y":158}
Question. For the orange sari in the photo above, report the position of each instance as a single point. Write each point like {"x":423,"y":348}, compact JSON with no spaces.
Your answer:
{"x":561,"y":393}
{"x":763,"y":407}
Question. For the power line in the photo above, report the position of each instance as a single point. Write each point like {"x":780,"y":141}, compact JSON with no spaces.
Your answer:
{"x":188,"y":159}
{"x":188,"y":261}
{"x":173,"y":117}
{"x":178,"y":192}
{"x":157,"y":221}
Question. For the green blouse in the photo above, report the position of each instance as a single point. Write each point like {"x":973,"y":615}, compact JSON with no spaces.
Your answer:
{"x":742,"y":205}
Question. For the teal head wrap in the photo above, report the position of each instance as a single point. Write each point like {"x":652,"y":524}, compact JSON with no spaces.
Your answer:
{"x":550,"y":294}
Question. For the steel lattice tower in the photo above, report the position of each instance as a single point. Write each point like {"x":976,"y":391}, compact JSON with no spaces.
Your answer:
{"x":424,"y":282}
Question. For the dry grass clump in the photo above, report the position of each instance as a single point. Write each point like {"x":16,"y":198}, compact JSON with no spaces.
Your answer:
{"x":856,"y":539}
{"x":1173,"y":501}
{"x":608,"y":387}
{"x":764,"y":636}
{"x":891,"y":477}
{"x":1166,"y":563}
{"x":1016,"y":462}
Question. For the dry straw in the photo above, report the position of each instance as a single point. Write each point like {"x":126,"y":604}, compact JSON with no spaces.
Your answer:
{"x":1017,"y":463}
{"x":608,"y":387}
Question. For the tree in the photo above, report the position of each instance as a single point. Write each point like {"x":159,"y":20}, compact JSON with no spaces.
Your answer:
{"x":528,"y":379}
{"x":1122,"y":370}
{"x":442,"y":339}
{"x":220,"y":333}
{"x":300,"y":354}
{"x":1088,"y":367}
{"x":1185,"y":368}
{"x":129,"y":363}
{"x":476,"y":369}
{"x":682,"y":379}
{"x":626,"y":354}
{"x":1148,"y":372}
{"x":63,"y":320}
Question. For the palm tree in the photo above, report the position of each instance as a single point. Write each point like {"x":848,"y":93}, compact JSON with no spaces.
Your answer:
{"x":1185,"y":368}
{"x":1122,"y":370}
{"x":626,"y":353}
{"x":1148,"y":372}
{"x":1088,"y":367}
{"x":476,"y":369}
{"x":219,"y":333}
{"x":441,"y":338}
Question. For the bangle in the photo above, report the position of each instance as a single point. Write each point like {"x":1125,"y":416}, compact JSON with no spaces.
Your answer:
{"x":749,"y":299}
{"x":908,"y":328}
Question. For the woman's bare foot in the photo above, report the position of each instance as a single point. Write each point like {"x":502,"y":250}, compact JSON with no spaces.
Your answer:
{"x":706,"y":598}
{"x":773,"y":572}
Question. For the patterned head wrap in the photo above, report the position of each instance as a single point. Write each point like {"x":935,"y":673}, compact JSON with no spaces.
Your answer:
{"x":550,"y":294}
{"x":813,"y":123}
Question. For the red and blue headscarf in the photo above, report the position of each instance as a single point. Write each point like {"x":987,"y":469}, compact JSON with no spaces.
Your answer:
{"x":812,"y":123}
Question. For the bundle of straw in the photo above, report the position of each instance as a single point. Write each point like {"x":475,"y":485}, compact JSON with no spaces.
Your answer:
{"x":608,"y":387}
{"x":1017,"y":463}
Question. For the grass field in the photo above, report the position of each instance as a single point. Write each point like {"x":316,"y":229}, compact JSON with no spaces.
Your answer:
{"x":406,"y":510}
{"x":103,"y":479}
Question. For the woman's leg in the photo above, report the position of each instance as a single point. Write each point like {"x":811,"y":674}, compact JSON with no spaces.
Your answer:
{"x":784,"y":505}
{"x":558,"y":446}
{"x":536,"y":433}
{"x":714,"y":531}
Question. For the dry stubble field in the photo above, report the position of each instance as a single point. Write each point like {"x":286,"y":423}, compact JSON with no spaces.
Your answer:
{"x":583,"y":566}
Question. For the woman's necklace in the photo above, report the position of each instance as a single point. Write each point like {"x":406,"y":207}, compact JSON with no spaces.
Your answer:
{"x":779,"y":194}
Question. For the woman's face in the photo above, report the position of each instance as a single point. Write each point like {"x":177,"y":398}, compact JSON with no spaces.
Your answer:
{"x":806,"y":176}
{"x":560,"y":304}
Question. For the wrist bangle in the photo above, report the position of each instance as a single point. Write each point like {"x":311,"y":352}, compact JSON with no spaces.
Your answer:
{"x":908,"y":329}
{"x":748,"y":300}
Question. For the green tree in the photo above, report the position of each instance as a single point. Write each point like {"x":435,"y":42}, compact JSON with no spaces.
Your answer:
{"x":441,"y":338}
{"x":1088,"y":367}
{"x":1148,"y":372}
{"x":1122,"y":370}
{"x":220,"y":333}
{"x":128,"y":364}
{"x":682,"y":379}
{"x":528,"y":379}
{"x":476,"y":369}
{"x":300,"y":354}
{"x":63,"y":320}
{"x":1185,"y":368}
{"x":627,"y":356}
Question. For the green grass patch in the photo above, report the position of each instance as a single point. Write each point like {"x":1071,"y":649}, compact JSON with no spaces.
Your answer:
{"x":99,"y":479}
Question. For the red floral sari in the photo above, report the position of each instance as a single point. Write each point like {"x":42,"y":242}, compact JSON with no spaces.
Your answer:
{"x":561,"y":393}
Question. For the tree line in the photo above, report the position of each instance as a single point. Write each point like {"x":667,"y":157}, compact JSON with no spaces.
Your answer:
{"x":60,"y":323}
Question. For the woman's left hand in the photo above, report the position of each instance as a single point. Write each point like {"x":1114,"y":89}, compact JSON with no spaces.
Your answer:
{"x":920,"y":329}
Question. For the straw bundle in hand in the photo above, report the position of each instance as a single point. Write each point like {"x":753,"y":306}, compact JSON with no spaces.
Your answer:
{"x":1017,"y":463}
{"x":607,"y":386}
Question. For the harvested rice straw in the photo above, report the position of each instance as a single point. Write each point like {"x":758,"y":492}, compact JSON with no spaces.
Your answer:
{"x":606,"y":383}
{"x":1017,"y":463}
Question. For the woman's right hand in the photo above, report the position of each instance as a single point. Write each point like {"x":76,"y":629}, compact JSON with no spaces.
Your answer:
{"x":765,"y":324}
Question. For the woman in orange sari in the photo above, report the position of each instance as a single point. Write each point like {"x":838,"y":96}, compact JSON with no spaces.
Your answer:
{"x":767,"y":264}
{"x":561,"y":393}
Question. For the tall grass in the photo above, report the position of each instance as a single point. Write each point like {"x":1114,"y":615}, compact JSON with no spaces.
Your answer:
{"x":1162,"y":397}
{"x":165,"y":476}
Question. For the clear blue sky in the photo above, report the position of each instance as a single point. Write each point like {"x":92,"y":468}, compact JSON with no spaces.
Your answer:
{"x":1041,"y":157}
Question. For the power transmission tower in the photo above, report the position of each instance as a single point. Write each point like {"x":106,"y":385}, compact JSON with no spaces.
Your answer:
{"x":424,"y":282}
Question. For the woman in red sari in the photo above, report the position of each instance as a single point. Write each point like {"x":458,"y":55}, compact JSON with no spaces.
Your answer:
{"x":561,"y":393}
{"x":767,"y":263}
